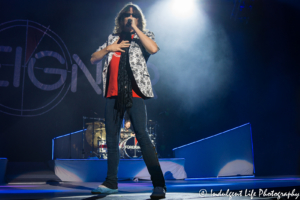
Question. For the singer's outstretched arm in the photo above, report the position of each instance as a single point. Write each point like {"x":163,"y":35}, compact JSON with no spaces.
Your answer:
{"x":98,"y":55}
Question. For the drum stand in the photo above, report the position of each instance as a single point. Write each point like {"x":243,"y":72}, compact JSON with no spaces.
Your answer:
{"x":101,"y":153}
{"x":152,"y":131}
{"x":134,"y":147}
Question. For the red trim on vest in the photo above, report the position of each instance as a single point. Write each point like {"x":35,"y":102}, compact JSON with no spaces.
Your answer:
{"x":112,"y":89}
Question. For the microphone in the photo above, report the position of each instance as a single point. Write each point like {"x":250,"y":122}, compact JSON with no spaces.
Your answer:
{"x":129,"y":23}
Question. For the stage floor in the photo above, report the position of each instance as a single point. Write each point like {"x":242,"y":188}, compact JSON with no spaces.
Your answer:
{"x":176,"y":189}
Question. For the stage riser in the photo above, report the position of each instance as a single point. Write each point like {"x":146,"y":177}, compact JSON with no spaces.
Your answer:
{"x":87,"y":170}
{"x":3,"y":164}
{"x":228,"y":153}
{"x":70,"y":146}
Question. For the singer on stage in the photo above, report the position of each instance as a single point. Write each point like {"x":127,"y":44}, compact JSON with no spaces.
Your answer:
{"x":126,"y":83}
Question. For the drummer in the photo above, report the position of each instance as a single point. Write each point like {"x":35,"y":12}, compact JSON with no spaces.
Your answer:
{"x":127,"y":130}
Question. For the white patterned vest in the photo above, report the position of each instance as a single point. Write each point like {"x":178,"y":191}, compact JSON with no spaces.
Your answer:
{"x":138,"y":57}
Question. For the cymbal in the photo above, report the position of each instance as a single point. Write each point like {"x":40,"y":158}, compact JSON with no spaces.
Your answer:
{"x":150,"y":122}
{"x":99,"y":129}
{"x":96,"y":123}
{"x":98,"y":134}
{"x":127,"y":132}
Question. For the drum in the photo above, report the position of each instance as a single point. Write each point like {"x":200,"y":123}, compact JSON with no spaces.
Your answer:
{"x":99,"y":133}
{"x":129,"y":148}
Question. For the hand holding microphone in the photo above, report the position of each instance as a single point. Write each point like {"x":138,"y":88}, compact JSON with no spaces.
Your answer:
{"x":129,"y":22}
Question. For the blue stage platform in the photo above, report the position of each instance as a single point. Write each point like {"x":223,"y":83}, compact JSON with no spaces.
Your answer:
{"x":94,"y":170}
{"x":176,"y":189}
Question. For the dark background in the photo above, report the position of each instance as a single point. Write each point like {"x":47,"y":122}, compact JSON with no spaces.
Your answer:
{"x":263,"y":87}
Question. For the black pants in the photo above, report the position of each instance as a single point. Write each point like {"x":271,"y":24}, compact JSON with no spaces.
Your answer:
{"x":138,"y":117}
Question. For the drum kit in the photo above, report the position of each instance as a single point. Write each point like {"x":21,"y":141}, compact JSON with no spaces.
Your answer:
{"x":95,"y":136}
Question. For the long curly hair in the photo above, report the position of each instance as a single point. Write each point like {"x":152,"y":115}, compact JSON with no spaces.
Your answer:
{"x":119,"y":20}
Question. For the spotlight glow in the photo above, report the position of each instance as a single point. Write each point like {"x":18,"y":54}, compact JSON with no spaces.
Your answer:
{"x":183,"y":8}
{"x":196,"y":49}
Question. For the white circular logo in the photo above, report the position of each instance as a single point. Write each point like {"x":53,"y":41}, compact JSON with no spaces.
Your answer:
{"x":35,"y":67}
